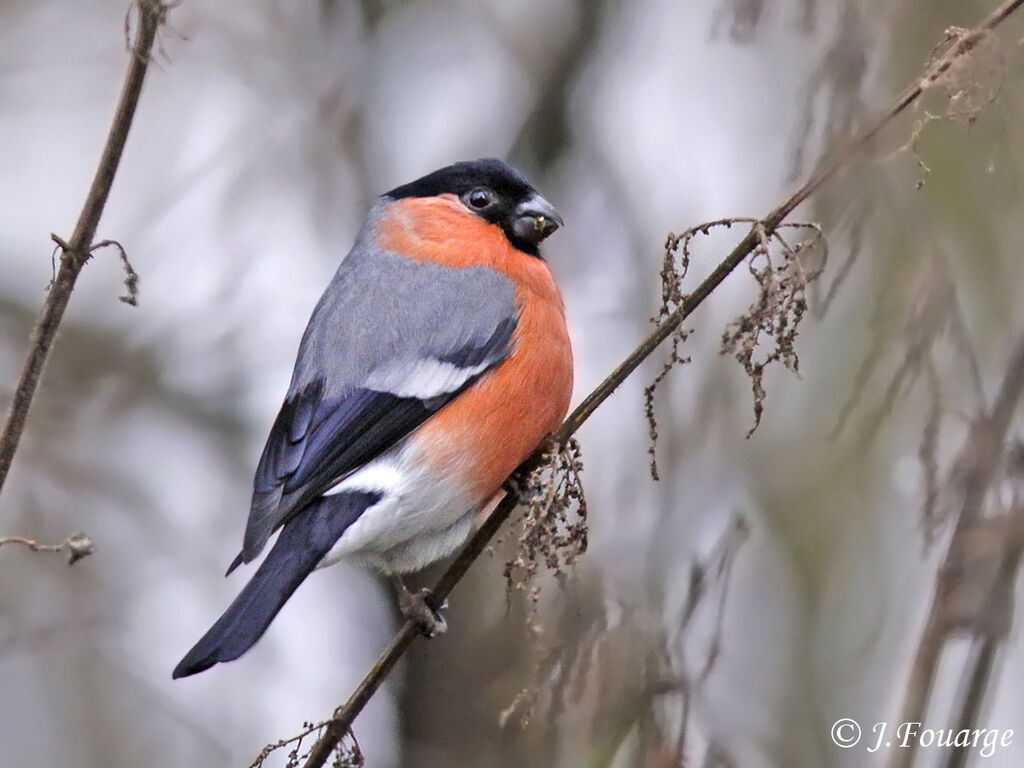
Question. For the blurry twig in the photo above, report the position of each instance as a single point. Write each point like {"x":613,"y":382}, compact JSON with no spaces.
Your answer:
{"x":344,"y":715}
{"x":77,"y":545}
{"x":76,"y":251}
{"x":587,"y":647}
{"x":717,"y":569}
{"x":997,"y":611}
{"x":976,"y":577}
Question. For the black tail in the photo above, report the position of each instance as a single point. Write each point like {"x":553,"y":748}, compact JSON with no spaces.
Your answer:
{"x":303,"y":542}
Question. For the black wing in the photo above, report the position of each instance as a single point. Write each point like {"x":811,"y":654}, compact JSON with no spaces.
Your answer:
{"x":318,"y":439}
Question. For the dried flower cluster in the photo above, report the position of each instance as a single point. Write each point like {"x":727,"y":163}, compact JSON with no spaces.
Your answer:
{"x":775,"y":315}
{"x":675,"y":265}
{"x":554,"y":526}
{"x":773,"y":321}
{"x":968,"y":84}
{"x":345,"y":755}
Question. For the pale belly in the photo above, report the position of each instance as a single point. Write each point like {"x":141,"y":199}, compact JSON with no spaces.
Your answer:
{"x":421,"y":517}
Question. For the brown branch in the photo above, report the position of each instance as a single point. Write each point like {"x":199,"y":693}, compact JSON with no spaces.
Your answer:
{"x":997,"y":613}
{"x":343,"y":717}
{"x":76,"y":251}
{"x":77,"y":545}
{"x":977,"y":465}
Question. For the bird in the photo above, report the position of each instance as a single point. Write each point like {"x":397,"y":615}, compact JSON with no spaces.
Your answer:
{"x":436,"y":361}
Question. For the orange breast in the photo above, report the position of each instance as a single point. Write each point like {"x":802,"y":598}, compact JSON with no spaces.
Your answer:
{"x":485,"y":433}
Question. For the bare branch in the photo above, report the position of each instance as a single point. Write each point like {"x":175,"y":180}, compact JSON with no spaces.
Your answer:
{"x":76,"y":251}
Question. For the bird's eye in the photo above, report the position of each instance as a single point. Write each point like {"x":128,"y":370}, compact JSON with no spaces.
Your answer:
{"x":480,"y":198}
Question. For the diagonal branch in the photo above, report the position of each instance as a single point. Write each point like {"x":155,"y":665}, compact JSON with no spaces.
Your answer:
{"x":997,"y":612}
{"x":948,"y":611}
{"x":75,"y":252}
{"x":341,"y":722}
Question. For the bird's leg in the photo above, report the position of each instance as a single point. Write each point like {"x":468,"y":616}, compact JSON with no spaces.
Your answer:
{"x":419,"y":608}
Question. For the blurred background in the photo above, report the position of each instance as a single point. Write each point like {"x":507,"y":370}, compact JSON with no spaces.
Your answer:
{"x":727,"y":615}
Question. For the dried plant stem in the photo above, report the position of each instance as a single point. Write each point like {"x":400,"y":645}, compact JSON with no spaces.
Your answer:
{"x":345,"y":715}
{"x":76,"y":251}
{"x":980,"y":459}
{"x":77,"y":545}
{"x":978,"y":670}
{"x":32,"y":544}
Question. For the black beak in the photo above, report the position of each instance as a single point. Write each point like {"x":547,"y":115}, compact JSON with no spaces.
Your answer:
{"x":535,"y":219}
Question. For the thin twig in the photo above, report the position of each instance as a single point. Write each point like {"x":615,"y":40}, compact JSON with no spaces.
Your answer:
{"x":77,"y":545}
{"x":75,"y":253}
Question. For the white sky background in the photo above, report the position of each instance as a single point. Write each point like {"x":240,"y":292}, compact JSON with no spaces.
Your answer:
{"x":263,"y":132}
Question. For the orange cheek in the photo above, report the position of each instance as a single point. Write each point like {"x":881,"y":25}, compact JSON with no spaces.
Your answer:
{"x":442,"y":230}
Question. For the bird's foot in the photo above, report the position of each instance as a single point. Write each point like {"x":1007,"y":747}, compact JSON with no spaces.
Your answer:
{"x":519,"y":485}
{"x":419,"y":607}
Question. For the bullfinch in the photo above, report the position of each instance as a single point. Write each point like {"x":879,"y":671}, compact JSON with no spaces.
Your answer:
{"x":436,"y":361}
